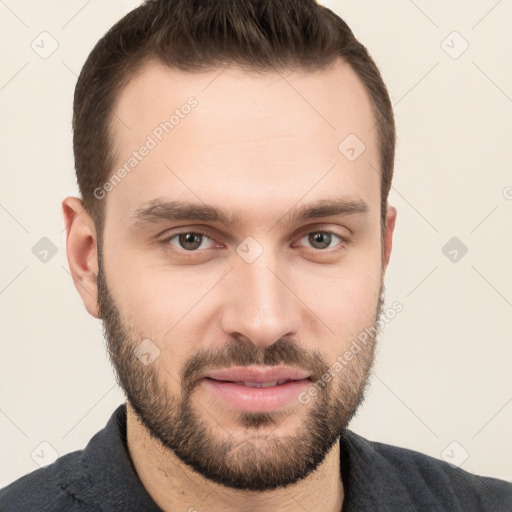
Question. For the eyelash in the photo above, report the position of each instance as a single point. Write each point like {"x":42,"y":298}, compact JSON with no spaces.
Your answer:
{"x":344,"y":241}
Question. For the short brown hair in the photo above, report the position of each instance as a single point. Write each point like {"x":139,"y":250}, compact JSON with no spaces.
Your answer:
{"x":196,"y":35}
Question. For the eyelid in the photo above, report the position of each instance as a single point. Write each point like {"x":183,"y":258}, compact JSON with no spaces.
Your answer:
{"x":322,"y":228}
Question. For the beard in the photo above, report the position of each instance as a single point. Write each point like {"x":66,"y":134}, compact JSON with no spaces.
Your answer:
{"x":257,"y":460}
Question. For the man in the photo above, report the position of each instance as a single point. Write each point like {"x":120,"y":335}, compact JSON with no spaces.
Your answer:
{"x":234,"y":161}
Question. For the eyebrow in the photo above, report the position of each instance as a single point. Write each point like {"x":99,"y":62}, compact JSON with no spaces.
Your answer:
{"x":161,"y":210}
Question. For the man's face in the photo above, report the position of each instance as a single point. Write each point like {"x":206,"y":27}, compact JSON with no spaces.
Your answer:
{"x":268,"y":290}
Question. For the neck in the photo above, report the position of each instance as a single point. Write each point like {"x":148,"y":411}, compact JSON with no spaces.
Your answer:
{"x":172,"y":484}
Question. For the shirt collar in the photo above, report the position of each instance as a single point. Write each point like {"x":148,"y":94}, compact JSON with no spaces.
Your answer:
{"x":370,"y":481}
{"x":107,"y":476}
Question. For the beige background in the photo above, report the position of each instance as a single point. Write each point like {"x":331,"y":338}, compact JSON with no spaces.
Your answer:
{"x":443,"y":372}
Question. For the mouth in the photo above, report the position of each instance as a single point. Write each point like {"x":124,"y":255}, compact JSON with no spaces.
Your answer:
{"x":255,"y":375}
{"x":260,"y":394}
{"x":249,"y":384}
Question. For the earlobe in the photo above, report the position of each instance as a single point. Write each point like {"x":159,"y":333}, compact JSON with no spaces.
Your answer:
{"x":388,"y":237}
{"x":81,"y":249}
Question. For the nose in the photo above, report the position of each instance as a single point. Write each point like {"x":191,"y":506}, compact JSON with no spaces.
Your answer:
{"x":260,"y":303}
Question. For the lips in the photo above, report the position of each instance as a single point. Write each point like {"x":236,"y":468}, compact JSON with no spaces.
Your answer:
{"x":256,"y":389}
{"x":260,"y":377}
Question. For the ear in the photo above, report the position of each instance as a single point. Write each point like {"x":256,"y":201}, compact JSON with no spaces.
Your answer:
{"x":81,"y":249}
{"x":388,"y":235}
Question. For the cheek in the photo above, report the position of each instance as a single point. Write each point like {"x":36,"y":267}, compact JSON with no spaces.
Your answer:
{"x":341,"y":302}
{"x":165,"y":306}
{"x":144,"y":287}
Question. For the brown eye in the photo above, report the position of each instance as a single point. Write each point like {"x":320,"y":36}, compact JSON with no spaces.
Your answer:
{"x":321,"y":239}
{"x":188,"y":240}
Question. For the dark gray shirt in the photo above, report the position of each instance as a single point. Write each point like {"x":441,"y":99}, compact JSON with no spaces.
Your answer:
{"x":376,"y":477}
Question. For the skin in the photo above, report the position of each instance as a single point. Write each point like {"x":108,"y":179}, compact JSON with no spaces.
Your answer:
{"x":262,"y":146}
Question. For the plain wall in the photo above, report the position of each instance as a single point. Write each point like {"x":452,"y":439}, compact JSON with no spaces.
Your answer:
{"x":443,"y":370}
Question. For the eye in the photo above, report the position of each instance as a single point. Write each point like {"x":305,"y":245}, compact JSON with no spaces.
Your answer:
{"x":321,"y":240}
{"x":195,"y":241}
{"x":188,"y":240}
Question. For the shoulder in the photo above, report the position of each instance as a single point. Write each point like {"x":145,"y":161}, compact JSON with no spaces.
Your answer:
{"x":430,"y":480}
{"x":49,"y":489}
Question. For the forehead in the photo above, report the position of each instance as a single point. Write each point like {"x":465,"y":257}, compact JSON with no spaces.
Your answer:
{"x":246,"y":139}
